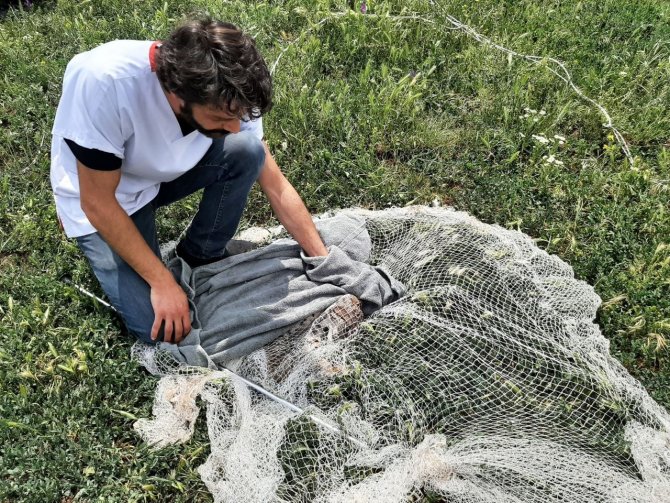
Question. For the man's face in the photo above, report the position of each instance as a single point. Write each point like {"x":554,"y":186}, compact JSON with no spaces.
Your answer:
{"x":210,"y":121}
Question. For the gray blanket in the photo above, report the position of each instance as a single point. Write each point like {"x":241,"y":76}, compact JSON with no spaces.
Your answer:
{"x":246,"y":301}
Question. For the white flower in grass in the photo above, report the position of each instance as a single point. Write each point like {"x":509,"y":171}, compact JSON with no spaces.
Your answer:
{"x":552,"y":160}
{"x":541,"y":138}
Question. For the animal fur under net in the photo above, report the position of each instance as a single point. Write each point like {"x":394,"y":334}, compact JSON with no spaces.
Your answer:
{"x":487,"y":382}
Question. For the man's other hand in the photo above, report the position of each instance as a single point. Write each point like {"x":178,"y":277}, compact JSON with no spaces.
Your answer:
{"x":171,"y":310}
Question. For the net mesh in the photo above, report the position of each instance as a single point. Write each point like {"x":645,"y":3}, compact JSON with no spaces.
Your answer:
{"x":487,"y":382}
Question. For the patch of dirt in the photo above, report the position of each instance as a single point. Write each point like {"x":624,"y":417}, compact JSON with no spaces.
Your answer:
{"x":8,"y":260}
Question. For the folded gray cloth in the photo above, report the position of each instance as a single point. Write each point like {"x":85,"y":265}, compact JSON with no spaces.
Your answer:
{"x":246,"y":301}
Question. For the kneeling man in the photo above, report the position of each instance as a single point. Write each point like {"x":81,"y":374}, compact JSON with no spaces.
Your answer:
{"x":143,"y":124}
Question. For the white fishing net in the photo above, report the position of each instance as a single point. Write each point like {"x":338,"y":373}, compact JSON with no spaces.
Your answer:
{"x":487,"y":382}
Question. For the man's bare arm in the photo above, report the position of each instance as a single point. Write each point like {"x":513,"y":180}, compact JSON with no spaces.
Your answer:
{"x":98,"y":201}
{"x":289,"y":207}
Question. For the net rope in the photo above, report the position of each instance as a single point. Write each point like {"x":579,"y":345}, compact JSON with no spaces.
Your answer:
{"x":487,"y":382}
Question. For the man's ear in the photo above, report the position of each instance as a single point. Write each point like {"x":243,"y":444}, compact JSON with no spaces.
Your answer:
{"x":176,"y":102}
{"x":174,"y":98}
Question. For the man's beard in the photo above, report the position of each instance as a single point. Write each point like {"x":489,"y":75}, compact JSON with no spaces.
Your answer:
{"x":186,"y":114}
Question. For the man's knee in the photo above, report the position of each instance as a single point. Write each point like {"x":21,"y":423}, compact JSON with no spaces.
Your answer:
{"x":137,"y":312}
{"x":126,"y":290}
{"x":246,"y":153}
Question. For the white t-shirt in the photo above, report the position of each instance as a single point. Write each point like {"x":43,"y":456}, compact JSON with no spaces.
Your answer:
{"x":112,"y":101}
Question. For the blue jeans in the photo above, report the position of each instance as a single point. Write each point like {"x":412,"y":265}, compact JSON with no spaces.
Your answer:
{"x":227,"y":172}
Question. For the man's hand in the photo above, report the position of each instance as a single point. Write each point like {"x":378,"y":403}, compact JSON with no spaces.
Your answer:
{"x":171,"y":311}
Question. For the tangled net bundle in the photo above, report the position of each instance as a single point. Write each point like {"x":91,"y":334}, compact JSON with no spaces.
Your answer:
{"x":487,"y":382}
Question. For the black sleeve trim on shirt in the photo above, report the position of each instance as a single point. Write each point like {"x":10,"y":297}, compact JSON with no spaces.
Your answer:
{"x":94,"y":158}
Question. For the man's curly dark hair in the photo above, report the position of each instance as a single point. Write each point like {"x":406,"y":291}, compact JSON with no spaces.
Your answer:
{"x":209,"y":62}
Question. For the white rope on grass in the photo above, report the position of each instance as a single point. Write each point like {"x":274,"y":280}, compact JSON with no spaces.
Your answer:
{"x":334,"y":15}
{"x":562,"y":72}
{"x":297,"y":39}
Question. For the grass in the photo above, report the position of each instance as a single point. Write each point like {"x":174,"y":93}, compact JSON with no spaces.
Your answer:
{"x":369,"y":111}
